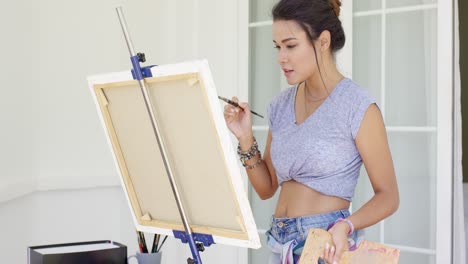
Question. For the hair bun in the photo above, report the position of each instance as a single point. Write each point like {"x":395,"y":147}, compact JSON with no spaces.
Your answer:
{"x":336,"y":5}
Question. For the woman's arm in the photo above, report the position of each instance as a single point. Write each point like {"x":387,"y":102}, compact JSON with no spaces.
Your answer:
{"x":371,"y":142}
{"x":262,"y":177}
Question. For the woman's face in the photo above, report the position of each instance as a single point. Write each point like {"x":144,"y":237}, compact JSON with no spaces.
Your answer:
{"x":295,"y":52}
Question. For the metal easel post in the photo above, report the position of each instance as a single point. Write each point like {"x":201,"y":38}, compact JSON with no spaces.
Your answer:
{"x":135,"y":58}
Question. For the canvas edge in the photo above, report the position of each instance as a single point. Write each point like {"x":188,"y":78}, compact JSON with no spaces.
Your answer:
{"x":230,"y":155}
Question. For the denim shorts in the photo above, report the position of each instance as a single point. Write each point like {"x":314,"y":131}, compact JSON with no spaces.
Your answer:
{"x":284,"y":230}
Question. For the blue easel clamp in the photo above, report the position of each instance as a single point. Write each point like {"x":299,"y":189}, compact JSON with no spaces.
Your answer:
{"x":207,"y":240}
{"x":145,"y":72}
{"x":139,"y":72}
{"x":197,"y":243}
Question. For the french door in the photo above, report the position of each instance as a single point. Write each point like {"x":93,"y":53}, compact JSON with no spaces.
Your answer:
{"x":401,"y":51}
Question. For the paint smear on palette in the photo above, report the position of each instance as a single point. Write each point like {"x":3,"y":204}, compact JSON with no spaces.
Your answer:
{"x":367,"y":252}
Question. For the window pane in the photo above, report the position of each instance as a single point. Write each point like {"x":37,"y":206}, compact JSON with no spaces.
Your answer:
{"x":260,"y":10}
{"x":265,"y":75}
{"x":367,"y":39}
{"x":414,"y":224}
{"x":401,"y":3}
{"x":366,"y":5}
{"x":416,"y":258}
{"x":411,"y":67}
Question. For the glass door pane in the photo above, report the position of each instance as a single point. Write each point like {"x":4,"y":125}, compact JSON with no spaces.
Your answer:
{"x":408,"y":257}
{"x":367,"y":53}
{"x":265,"y":75}
{"x":260,"y":10}
{"x":395,"y":57}
{"x":366,"y":5}
{"x":413,"y":224}
{"x":411,"y":63}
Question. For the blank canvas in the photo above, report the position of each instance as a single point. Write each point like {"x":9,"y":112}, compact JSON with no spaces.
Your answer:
{"x":188,"y":113}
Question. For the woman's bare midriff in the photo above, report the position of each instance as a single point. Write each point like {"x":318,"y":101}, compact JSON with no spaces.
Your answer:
{"x":296,"y":200}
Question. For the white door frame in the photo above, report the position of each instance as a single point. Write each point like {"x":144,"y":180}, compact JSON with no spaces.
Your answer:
{"x":445,"y":131}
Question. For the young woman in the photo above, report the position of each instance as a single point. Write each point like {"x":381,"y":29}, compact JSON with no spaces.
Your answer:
{"x":321,"y":130}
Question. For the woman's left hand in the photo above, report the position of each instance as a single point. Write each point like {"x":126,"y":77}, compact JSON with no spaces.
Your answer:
{"x":332,"y":254}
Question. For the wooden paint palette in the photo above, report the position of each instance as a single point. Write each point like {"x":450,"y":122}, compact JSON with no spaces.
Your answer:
{"x":367,"y":253}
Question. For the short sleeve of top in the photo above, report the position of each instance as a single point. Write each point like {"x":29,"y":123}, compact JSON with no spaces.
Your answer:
{"x":276,"y":111}
{"x":359,"y":108}
{"x":320,"y":152}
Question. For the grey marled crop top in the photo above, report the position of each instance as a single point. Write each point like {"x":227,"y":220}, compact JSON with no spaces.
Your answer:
{"x":320,"y":152}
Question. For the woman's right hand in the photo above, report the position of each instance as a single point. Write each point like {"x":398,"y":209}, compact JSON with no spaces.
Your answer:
{"x":239,"y":121}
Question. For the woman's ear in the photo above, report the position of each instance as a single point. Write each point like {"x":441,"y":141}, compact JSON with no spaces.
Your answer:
{"x":324,"y":40}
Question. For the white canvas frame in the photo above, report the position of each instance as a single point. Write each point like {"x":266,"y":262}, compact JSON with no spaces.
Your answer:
{"x":202,"y":69}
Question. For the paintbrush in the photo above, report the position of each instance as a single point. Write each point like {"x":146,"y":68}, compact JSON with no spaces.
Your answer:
{"x":237,"y":105}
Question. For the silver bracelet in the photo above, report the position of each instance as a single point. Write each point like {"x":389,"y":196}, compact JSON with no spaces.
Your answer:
{"x":250,"y":153}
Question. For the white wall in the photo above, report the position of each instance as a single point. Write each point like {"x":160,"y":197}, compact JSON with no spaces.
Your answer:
{"x":83,"y":215}
{"x":51,"y":139}
{"x":16,"y":100}
{"x":80,"y":38}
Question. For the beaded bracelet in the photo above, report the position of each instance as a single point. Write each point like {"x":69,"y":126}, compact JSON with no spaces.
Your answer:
{"x":250,"y":153}
{"x":351,"y":226}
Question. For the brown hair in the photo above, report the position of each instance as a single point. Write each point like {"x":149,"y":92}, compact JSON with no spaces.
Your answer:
{"x":314,"y":16}
{"x":336,"y":6}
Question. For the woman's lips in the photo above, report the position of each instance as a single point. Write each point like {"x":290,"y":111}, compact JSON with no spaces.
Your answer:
{"x":287,"y":73}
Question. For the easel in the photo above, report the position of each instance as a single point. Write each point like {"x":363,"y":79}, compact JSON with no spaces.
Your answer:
{"x":197,"y":242}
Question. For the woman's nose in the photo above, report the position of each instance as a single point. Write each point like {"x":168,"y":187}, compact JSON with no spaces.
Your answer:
{"x":282,"y":57}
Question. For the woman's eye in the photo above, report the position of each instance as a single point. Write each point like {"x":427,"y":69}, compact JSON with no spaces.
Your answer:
{"x":288,"y":46}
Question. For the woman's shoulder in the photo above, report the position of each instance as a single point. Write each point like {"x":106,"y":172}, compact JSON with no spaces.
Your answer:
{"x":284,"y":96}
{"x":357,"y":100}
{"x":352,"y":95}
{"x":354,"y":92}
